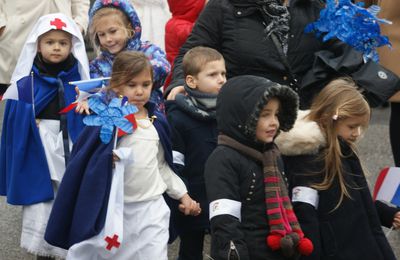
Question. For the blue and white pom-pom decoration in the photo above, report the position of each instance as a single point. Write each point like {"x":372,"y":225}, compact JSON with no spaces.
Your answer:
{"x":352,"y":24}
{"x":109,"y":116}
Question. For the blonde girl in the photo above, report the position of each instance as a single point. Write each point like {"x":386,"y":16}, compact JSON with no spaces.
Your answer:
{"x":330,"y":193}
{"x":114,"y":26}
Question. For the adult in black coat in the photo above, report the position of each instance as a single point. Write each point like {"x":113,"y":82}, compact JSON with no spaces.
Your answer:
{"x":238,"y":29}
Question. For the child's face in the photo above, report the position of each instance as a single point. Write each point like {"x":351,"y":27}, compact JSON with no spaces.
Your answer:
{"x":350,"y":129}
{"x":112,"y":34}
{"x":55,"y":46}
{"x":268,"y":123}
{"x":210,"y":79}
{"x":138,"y":89}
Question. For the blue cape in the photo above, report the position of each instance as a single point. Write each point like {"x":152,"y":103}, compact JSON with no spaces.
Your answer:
{"x":80,"y":207}
{"x":24,"y":174}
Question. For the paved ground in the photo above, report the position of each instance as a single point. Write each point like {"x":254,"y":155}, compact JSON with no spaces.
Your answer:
{"x":374,"y":150}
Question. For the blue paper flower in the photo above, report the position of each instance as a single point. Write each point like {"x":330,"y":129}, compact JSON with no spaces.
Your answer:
{"x":109,"y":116}
{"x":352,"y":24}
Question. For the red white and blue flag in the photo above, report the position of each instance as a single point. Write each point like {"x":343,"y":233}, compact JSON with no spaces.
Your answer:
{"x":387,"y":186}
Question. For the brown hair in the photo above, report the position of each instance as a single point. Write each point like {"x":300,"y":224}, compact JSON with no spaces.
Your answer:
{"x":339,"y":100}
{"x":196,"y":58}
{"x":127,"y":65}
{"x":104,"y":12}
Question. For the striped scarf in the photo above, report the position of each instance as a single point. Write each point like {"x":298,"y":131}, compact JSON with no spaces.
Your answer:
{"x":285,"y":231}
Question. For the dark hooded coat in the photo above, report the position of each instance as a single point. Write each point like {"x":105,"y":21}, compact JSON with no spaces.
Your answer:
{"x":236,"y":177}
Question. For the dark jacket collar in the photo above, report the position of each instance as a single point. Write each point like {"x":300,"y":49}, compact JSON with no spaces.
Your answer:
{"x":53,"y":69}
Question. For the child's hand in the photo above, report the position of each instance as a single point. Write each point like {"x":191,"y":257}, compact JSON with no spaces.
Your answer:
{"x":175,"y":91}
{"x":396,"y":220}
{"x":189,"y":206}
{"x":82,"y":106}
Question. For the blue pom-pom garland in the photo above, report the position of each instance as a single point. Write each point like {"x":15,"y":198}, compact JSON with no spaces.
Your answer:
{"x":352,"y":24}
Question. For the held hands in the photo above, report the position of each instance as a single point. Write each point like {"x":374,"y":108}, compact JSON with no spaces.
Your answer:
{"x":189,"y":206}
{"x":176,"y":90}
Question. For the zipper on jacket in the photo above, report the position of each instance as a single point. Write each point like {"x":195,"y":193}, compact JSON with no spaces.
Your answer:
{"x":233,"y":254}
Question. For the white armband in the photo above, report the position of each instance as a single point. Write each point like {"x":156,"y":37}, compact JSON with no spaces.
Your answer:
{"x":225,"y":207}
{"x":178,"y":158}
{"x":306,"y":195}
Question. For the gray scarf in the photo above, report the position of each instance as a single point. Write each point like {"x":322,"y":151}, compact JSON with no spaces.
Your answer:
{"x":276,"y":20}
{"x":198,"y":104}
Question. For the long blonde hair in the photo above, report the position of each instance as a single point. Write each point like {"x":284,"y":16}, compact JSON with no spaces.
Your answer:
{"x":105,"y":12}
{"x":339,"y":100}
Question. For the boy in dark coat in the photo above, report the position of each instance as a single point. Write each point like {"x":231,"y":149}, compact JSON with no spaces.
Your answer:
{"x":250,"y":211}
{"x":194,"y":137}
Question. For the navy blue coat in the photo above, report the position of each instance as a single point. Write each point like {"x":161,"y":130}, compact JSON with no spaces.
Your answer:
{"x":195,"y":139}
{"x":24,"y":173}
{"x":80,"y":207}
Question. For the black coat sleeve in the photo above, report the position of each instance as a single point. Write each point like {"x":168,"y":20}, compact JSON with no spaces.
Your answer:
{"x":337,"y":59}
{"x":206,"y":32}
{"x":386,"y":213}
{"x":301,"y":172}
{"x":178,"y":142}
{"x":222,"y":182}
{"x":373,"y":217}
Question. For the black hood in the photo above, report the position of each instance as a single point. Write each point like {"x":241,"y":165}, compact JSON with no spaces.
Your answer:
{"x":239,"y":104}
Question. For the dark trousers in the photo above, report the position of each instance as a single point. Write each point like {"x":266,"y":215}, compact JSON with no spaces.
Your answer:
{"x":191,"y":246}
{"x":394,"y":131}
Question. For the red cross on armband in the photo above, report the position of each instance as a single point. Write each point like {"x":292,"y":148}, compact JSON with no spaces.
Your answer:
{"x":112,"y":242}
{"x":58,"y":23}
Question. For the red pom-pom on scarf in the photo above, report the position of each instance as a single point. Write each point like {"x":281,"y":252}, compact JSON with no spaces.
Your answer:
{"x":274,"y":241}
{"x":305,"y":246}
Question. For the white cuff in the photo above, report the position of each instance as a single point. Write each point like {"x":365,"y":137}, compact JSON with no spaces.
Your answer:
{"x":125,"y":155}
{"x":178,"y":158}
{"x":225,"y":207}
{"x":306,"y":195}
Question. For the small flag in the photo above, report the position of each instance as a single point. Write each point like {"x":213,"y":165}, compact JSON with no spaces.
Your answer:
{"x":90,"y":84}
{"x":86,"y":88}
{"x":387,"y":186}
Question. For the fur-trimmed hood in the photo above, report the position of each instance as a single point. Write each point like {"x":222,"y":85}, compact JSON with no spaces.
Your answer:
{"x":240,"y":102}
{"x":304,"y":138}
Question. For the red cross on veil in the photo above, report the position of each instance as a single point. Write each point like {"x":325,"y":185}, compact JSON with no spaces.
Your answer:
{"x":112,"y":242}
{"x":58,"y":23}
